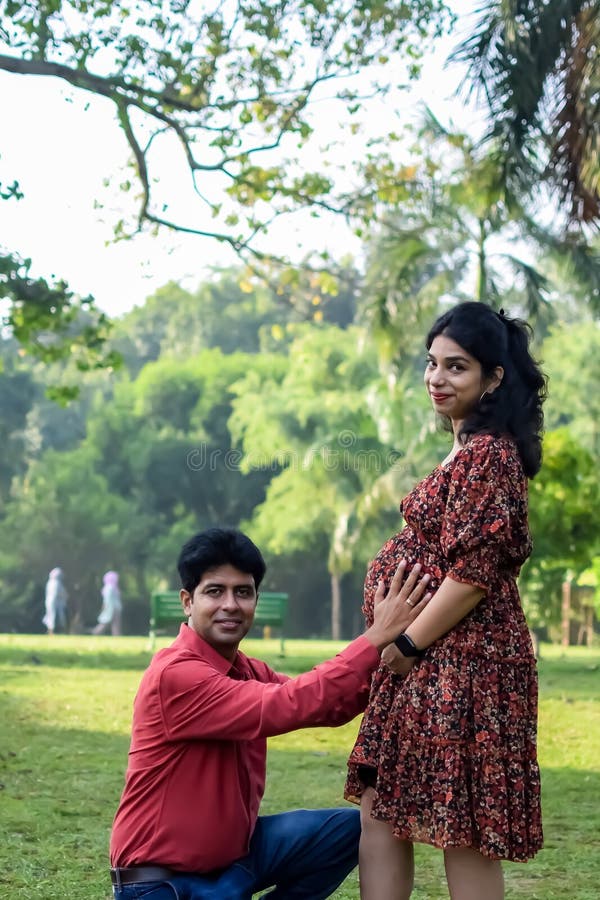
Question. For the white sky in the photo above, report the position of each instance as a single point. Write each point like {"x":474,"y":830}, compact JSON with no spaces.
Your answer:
{"x":63,"y":144}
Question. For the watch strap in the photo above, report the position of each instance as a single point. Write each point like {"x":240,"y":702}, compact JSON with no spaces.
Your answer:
{"x":407,"y":646}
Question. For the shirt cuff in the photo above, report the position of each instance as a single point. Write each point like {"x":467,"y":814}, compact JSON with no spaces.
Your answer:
{"x":362,"y":653}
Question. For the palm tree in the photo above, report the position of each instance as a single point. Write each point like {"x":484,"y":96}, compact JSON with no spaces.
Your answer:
{"x":537,"y":64}
{"x":458,"y":233}
{"x":461,"y":232}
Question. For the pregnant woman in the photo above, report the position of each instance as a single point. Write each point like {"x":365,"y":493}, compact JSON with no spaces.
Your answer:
{"x":446,"y":753}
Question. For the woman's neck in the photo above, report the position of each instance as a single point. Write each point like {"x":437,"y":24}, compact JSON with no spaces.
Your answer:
{"x":458,"y":442}
{"x":457,"y":424}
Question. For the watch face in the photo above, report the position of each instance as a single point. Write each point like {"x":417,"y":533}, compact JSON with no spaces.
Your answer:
{"x":406,"y":646}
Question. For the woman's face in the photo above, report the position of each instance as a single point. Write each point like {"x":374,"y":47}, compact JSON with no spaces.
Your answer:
{"x":453,"y":378}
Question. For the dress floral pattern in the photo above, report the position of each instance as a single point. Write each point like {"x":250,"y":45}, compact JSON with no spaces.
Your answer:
{"x":453,"y":743}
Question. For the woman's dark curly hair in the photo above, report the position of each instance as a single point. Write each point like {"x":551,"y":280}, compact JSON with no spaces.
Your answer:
{"x":515,"y":406}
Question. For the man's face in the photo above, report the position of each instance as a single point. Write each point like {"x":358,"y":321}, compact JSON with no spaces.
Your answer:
{"x":221,"y":609}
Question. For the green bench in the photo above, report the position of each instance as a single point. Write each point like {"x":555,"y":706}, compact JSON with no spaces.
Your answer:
{"x":271,"y":611}
{"x":166,"y":609}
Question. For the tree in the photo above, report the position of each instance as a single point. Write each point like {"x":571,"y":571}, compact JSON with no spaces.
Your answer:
{"x":232,"y":310}
{"x":565,"y":523}
{"x":47,"y":319}
{"x":154,"y":463}
{"x":51,"y":323}
{"x":231,"y":85}
{"x":571,"y":356}
{"x":537,"y":66}
{"x":565,"y":496}
{"x":67,"y":516}
{"x":323,"y":419}
{"x":458,"y":232}
{"x":17,"y":390}
{"x":163,"y":446}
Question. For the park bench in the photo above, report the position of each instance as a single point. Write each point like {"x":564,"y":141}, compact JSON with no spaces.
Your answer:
{"x":165,"y":609}
{"x":271,"y":610}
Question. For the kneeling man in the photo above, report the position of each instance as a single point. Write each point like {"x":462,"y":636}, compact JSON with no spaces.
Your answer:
{"x":187,"y":825}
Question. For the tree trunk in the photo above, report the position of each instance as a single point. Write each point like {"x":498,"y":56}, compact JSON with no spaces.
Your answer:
{"x":336,"y":607}
{"x":482,"y":265}
{"x":566,"y":613}
{"x":75,"y":607}
{"x":589,"y":624}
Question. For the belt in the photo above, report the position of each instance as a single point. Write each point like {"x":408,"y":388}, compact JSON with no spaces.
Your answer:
{"x":140,"y":873}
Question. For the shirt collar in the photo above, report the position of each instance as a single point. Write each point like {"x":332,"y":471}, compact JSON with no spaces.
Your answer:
{"x":191,"y":640}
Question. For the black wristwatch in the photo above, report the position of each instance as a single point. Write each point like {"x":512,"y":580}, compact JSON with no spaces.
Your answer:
{"x":407,"y":646}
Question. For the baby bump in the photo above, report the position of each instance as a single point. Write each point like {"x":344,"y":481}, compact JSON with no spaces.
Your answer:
{"x":406,"y":545}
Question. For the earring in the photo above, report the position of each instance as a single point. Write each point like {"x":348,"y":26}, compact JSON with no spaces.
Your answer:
{"x":485,"y":394}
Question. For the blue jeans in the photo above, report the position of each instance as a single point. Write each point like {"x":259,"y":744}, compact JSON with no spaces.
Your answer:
{"x":304,"y":854}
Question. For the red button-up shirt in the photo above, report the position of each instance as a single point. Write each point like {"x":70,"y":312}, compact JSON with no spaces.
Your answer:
{"x":196,"y":771}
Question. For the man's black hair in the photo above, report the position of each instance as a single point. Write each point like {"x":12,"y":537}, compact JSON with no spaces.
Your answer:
{"x":219,"y":547}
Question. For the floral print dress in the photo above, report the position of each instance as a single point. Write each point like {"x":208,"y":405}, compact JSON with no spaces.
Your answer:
{"x":453,"y":743}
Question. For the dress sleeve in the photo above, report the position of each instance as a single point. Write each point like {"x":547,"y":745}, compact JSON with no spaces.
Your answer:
{"x":485,"y":513}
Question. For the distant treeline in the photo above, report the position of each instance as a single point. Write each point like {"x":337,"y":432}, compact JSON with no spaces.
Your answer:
{"x":276,"y":411}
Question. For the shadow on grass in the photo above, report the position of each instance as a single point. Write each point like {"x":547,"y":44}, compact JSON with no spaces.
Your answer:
{"x":60,"y":789}
{"x":82,"y":658}
{"x":574,"y":678}
{"x":570,"y":800}
{"x":571,"y":814}
{"x":95,"y":656}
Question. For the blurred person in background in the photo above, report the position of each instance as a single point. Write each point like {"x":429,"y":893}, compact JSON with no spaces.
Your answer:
{"x":110,"y":614}
{"x":56,"y":602}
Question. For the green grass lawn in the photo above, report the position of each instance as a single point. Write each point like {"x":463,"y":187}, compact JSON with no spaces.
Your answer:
{"x":65,"y":710}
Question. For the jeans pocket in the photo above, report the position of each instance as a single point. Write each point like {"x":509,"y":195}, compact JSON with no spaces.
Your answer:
{"x":152,"y":890}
